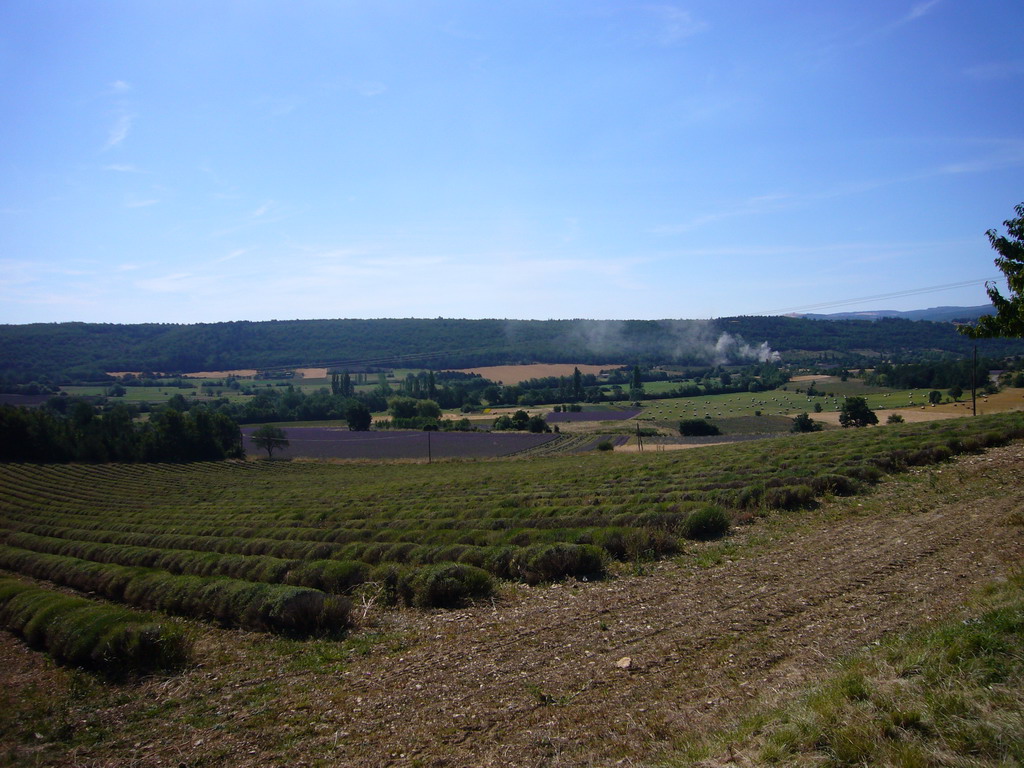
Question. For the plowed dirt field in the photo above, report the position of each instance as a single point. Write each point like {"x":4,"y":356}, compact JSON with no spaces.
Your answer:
{"x":577,"y":674}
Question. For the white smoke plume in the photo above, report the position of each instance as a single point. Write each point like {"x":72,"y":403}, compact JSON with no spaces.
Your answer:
{"x":625,"y":340}
{"x":732,"y":349}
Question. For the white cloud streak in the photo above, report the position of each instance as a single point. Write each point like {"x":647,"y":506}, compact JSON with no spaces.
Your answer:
{"x":1010,"y":155}
{"x":119,"y":131}
{"x":675,"y":24}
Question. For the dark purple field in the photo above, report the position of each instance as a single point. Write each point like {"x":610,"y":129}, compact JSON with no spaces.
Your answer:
{"x":339,"y":443}
{"x":593,"y":415}
{"x":24,"y":401}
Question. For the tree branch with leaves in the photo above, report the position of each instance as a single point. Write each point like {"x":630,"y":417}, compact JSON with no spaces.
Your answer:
{"x":1009,"y":317}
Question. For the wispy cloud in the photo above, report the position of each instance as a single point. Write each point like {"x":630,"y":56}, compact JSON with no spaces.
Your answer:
{"x":229,"y":256}
{"x":371,"y":88}
{"x":752,"y":206}
{"x":674,"y":24}
{"x":1008,"y":154}
{"x":120,"y":86}
{"x":263,"y":209}
{"x":996,"y":70}
{"x":279,"y":106}
{"x":917,"y":11}
{"x":119,"y":131}
{"x":120,"y":168}
{"x":921,"y":9}
{"x":179,"y":282}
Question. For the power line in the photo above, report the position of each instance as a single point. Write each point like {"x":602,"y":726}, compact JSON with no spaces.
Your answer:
{"x":882,"y":296}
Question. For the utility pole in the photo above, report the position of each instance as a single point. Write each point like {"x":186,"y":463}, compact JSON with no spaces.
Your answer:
{"x":639,"y":439}
{"x":974,"y":385}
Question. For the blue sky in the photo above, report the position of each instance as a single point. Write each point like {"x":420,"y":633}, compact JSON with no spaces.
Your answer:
{"x":208,"y":161}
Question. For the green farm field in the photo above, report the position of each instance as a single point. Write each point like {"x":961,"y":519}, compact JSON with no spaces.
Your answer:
{"x":783,"y":402}
{"x":356,"y":595}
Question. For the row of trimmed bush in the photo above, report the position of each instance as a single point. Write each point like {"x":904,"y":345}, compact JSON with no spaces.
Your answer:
{"x":112,"y":639}
{"x":539,"y":562}
{"x":441,"y":585}
{"x":319,"y":543}
{"x":178,"y":561}
{"x":786,"y":492}
{"x":335,"y":576}
{"x":299,"y":611}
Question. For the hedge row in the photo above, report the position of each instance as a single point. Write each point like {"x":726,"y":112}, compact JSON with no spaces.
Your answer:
{"x":112,"y":639}
{"x":298,"y":611}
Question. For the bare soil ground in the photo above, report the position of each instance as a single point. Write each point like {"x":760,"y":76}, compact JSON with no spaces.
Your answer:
{"x":619,"y":672}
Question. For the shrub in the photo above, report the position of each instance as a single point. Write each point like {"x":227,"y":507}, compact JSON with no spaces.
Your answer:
{"x":706,"y":524}
{"x":697,"y":428}
{"x":790,"y":497}
{"x":838,"y":485}
{"x":865,"y":473}
{"x":749,"y":496}
{"x":335,"y":576}
{"x":551,"y":562}
{"x":80,"y":632}
{"x":633,"y":543}
{"x":449,"y":585}
{"x":393,"y":579}
{"x":501,"y":562}
{"x":932,"y":454}
{"x":804,"y":423}
{"x":232,"y":602}
{"x":605,"y":445}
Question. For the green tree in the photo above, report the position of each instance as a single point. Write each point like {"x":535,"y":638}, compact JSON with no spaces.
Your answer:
{"x":520,"y":420}
{"x":956,"y":392}
{"x":804,"y":423}
{"x":537,"y":424}
{"x":698,"y":428}
{"x":270,"y":439}
{"x":402,"y":407}
{"x":358,"y":417}
{"x":636,"y":385}
{"x":1009,"y":317}
{"x":935,"y":397}
{"x":428,"y":409}
{"x":855,"y":413}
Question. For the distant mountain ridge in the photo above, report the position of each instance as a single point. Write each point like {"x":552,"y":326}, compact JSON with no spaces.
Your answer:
{"x":934,"y":314}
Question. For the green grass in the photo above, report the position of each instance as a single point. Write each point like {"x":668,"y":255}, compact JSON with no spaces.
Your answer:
{"x":952,"y":694}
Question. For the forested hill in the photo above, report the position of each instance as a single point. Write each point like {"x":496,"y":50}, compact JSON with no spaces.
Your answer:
{"x":65,"y":351}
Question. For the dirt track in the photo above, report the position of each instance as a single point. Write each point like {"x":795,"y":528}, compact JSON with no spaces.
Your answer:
{"x":534,"y":680}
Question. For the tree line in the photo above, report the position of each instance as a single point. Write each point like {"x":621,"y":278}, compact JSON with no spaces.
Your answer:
{"x":939,"y":374}
{"x":80,"y":434}
{"x":64,"y":353}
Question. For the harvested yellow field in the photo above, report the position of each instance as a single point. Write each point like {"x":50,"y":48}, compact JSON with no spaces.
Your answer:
{"x":516,"y":374}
